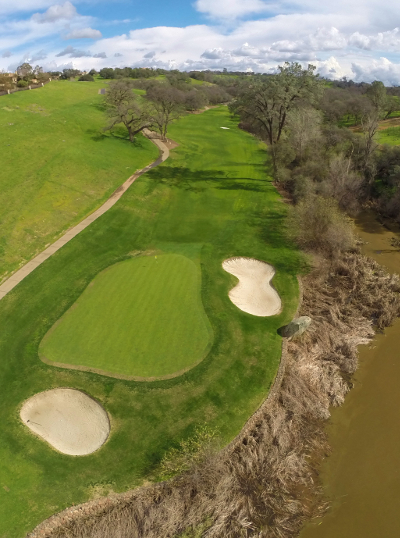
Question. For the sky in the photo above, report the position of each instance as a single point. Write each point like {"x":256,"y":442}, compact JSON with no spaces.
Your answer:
{"x":359,"y":39}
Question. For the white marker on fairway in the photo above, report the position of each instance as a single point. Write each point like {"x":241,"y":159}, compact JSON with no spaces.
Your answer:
{"x":224,"y":127}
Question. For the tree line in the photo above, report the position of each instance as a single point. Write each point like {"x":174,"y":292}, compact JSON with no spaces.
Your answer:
{"x":330,"y":170}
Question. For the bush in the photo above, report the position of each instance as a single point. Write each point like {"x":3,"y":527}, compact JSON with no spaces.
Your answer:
{"x":22,"y":84}
{"x":86,"y":78}
{"x":317,"y":224}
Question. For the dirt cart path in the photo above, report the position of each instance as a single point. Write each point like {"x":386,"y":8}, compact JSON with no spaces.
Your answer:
{"x":19,"y":275}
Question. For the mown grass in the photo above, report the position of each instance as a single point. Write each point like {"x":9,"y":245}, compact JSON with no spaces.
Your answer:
{"x":141,"y":317}
{"x":211,"y":200}
{"x":57,"y":165}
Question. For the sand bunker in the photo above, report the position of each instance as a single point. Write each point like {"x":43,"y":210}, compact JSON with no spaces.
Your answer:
{"x":68,"y":420}
{"x":254,"y":293}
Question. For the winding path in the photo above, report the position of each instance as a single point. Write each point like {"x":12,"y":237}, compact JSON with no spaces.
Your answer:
{"x":19,"y":275}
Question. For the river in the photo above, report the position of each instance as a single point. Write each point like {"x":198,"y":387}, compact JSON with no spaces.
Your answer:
{"x":361,"y":477}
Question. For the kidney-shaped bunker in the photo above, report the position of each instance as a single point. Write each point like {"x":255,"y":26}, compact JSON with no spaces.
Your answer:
{"x":254,"y":293}
{"x":68,"y":420}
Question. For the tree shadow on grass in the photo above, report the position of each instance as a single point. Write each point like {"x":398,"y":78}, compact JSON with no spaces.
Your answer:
{"x":96,"y":135}
{"x":100,"y":106}
{"x":185,"y":178}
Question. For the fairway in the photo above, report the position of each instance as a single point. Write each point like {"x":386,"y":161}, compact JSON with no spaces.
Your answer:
{"x":139,"y":318}
{"x":212,"y":200}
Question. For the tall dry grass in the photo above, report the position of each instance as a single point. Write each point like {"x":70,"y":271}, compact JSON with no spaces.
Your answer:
{"x":267,"y":485}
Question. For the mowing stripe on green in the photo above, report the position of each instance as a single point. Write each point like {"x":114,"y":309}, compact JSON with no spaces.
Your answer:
{"x":140,"y":318}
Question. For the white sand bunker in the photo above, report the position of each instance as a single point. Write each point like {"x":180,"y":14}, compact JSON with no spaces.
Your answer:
{"x":68,"y":420}
{"x":225,"y":128}
{"x":254,"y":293}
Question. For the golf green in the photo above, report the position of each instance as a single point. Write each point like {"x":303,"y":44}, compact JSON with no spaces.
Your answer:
{"x":139,"y":318}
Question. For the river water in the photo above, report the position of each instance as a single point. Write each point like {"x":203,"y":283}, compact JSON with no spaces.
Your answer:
{"x":361,"y":477}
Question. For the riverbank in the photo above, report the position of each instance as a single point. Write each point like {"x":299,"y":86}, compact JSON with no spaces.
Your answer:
{"x":268,"y":483}
{"x":360,"y":478}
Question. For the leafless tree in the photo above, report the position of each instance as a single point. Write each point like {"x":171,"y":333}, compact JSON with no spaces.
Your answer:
{"x":266,"y":104}
{"x":123,"y":106}
{"x":343,"y":183}
{"x":165,"y":107}
{"x":304,"y":126}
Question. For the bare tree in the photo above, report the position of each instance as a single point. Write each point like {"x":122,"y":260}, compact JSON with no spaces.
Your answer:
{"x":165,"y":107}
{"x":123,"y":106}
{"x":24,"y":70}
{"x":343,"y":183}
{"x":369,"y":126}
{"x":265,"y":105}
{"x":304,"y":126}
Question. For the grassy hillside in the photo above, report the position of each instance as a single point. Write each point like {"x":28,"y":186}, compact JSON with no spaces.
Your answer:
{"x":57,"y":166}
{"x":210,"y":201}
{"x":390,"y":135}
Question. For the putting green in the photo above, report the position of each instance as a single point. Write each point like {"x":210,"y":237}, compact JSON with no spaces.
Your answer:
{"x":139,"y":318}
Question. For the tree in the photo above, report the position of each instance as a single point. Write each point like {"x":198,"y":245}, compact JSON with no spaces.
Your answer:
{"x":392,"y":104}
{"x":266,"y":103}
{"x":70,"y":73}
{"x":304,"y":126}
{"x":343,"y":183}
{"x":123,"y":106}
{"x":107,"y":72}
{"x":24,"y":70}
{"x":165,"y":106}
{"x":194,"y":100}
{"x":369,"y":125}
{"x":377,"y":95}
{"x":93,"y":72}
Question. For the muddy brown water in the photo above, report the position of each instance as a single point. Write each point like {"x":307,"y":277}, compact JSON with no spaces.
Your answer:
{"x":361,"y":477}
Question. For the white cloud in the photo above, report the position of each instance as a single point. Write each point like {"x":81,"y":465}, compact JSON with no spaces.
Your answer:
{"x":84,"y":33}
{"x":343,"y":38}
{"x":16,"y":6}
{"x":6,"y":54}
{"x":381,"y":69}
{"x":389,"y":40}
{"x":56,"y":13}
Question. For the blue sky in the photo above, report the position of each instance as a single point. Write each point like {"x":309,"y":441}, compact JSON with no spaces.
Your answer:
{"x":359,"y":39}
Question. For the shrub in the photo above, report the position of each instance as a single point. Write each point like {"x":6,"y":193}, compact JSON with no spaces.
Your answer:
{"x":317,"y":224}
{"x":22,"y":84}
{"x":86,"y":78}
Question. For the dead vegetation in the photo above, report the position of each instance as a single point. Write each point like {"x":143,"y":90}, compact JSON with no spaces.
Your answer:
{"x":266,"y":486}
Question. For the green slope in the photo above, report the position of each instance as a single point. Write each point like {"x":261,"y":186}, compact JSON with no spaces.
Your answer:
{"x":56,"y":164}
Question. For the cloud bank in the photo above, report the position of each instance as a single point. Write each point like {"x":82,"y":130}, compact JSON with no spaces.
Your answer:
{"x":357,"y":39}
